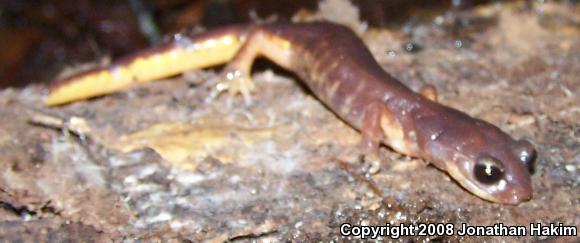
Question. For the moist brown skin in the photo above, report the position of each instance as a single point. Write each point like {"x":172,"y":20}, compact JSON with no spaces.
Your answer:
{"x":339,"y":69}
{"x":328,"y":55}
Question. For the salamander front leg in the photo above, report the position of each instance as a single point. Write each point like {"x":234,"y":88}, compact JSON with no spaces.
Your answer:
{"x":429,"y":91}
{"x":371,"y":136}
{"x":236,"y":75}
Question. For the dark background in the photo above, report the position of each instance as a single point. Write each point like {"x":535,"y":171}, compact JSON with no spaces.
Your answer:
{"x":42,"y":37}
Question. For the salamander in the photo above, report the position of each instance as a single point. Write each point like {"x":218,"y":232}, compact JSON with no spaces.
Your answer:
{"x":339,"y":69}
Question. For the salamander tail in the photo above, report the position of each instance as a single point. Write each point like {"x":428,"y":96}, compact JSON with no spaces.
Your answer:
{"x":184,"y":53}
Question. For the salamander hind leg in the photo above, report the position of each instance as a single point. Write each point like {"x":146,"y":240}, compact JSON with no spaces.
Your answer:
{"x":235,"y":77}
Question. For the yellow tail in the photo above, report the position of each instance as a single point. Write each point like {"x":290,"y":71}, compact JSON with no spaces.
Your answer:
{"x":200,"y":51}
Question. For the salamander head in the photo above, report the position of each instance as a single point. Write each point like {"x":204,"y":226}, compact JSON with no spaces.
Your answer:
{"x":483,"y":159}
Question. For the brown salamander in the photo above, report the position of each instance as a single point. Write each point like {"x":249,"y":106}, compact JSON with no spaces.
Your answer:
{"x":339,"y":69}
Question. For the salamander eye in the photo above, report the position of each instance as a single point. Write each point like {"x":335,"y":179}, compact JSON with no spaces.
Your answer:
{"x":527,"y":154}
{"x":488,"y":170}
